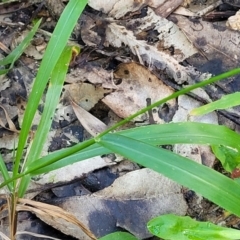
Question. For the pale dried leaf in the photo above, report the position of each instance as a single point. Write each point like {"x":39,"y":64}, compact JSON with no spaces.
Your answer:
{"x":11,"y":125}
{"x":52,"y":211}
{"x":137,"y":86}
{"x":119,"y":8}
{"x":234,"y":22}
{"x":92,"y":124}
{"x":84,"y":94}
{"x":116,"y":35}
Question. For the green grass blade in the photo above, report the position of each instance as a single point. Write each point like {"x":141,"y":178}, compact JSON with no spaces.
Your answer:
{"x":52,"y":98}
{"x":18,"y":51}
{"x":172,"y":133}
{"x":5,"y":173}
{"x":51,"y":101}
{"x":188,"y":89}
{"x":174,"y":227}
{"x":228,"y":101}
{"x":185,"y":132}
{"x":54,"y":49}
{"x":64,"y":154}
{"x":205,"y":181}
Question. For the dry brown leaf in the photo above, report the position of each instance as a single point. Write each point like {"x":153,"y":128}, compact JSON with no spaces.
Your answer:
{"x":84,"y":94}
{"x":10,"y":123}
{"x":129,"y":203}
{"x":92,"y":124}
{"x":51,"y":211}
{"x":137,"y":87}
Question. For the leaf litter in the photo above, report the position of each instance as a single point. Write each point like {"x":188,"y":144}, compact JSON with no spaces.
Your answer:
{"x":129,"y":58}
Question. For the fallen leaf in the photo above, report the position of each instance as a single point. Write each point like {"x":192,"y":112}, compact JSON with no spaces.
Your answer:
{"x":138,"y":85}
{"x":128,"y":203}
{"x":84,"y":94}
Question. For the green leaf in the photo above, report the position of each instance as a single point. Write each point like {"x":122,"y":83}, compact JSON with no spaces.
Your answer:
{"x":5,"y":173}
{"x":172,"y":133}
{"x":51,"y":101}
{"x":18,"y":51}
{"x":229,"y":157}
{"x":119,"y":236}
{"x":54,"y":49}
{"x":227,"y":101}
{"x":205,"y":181}
{"x":184,"y":228}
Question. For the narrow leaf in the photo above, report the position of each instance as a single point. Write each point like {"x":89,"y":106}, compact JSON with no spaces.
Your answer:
{"x":172,"y":133}
{"x":227,"y":101}
{"x":5,"y":173}
{"x":54,"y":49}
{"x":205,"y":181}
{"x":51,"y":101}
{"x":18,"y":51}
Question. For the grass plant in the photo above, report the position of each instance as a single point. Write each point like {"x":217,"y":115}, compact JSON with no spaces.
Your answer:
{"x":140,"y":145}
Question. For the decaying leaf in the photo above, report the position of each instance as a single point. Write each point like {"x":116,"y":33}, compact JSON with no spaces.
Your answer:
{"x":138,"y":86}
{"x":118,"y":8}
{"x":84,"y":94}
{"x":92,"y":124}
{"x":234,"y":22}
{"x":128,"y":203}
{"x":50,"y":211}
{"x":11,"y":125}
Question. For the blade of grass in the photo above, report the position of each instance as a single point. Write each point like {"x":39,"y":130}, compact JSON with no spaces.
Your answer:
{"x":67,"y":152}
{"x":205,"y":181}
{"x":18,"y":51}
{"x":51,"y":101}
{"x":54,"y":49}
{"x":172,"y":96}
{"x":172,"y":133}
{"x":5,"y":173}
{"x":228,"y":101}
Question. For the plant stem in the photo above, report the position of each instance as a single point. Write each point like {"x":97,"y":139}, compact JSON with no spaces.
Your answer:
{"x":172,"y":96}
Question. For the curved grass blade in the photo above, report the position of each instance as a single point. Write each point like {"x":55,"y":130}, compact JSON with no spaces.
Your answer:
{"x":5,"y":174}
{"x":228,"y":101}
{"x":205,"y":181}
{"x":54,"y":49}
{"x":174,"y":227}
{"x":172,"y":133}
{"x":51,"y":101}
{"x":18,"y":51}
